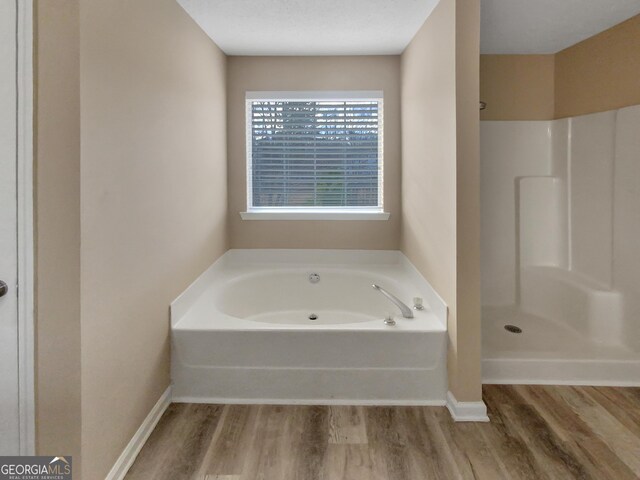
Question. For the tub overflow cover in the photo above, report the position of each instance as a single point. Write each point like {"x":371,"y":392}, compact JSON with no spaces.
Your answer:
{"x":313,"y":316}
{"x":314,"y":278}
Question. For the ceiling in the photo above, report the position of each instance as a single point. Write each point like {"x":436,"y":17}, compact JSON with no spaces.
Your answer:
{"x":385,"y":27}
{"x":547,"y":26}
{"x":310,"y":27}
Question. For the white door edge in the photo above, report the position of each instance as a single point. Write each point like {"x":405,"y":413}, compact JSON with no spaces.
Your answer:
{"x":26,"y":331}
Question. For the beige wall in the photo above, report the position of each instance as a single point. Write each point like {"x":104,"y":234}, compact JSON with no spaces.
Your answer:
{"x":517,"y":87}
{"x":596,"y":75}
{"x":601,"y":73}
{"x":57,"y":227}
{"x":153,"y":210}
{"x":440,"y":157}
{"x":313,"y":73}
{"x":465,"y":375}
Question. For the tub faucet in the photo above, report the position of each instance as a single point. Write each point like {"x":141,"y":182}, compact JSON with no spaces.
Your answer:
{"x":406,"y":311}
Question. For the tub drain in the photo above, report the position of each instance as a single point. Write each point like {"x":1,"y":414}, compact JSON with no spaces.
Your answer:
{"x":313,"y":316}
{"x":512,"y":329}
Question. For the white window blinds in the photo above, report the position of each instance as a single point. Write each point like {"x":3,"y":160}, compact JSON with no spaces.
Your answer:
{"x":314,"y":150}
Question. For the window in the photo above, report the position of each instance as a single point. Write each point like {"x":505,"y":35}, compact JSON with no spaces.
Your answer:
{"x":314,"y":155}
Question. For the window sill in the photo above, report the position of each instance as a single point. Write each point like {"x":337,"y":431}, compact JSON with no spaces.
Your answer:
{"x":324,"y":215}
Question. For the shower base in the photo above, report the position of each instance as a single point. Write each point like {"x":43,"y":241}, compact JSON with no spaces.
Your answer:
{"x":549,"y":352}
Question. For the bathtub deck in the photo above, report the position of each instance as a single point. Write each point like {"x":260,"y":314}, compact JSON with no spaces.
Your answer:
{"x":536,"y":432}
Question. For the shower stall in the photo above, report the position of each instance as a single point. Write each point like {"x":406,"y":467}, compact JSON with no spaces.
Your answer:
{"x":561,"y":249}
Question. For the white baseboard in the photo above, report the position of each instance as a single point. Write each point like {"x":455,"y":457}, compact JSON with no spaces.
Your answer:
{"x":130,"y":452}
{"x":466,"y":411}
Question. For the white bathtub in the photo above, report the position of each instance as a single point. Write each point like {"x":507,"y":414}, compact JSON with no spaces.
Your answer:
{"x":241,"y":333}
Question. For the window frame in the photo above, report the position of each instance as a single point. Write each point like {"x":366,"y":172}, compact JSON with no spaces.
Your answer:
{"x":313,"y":213}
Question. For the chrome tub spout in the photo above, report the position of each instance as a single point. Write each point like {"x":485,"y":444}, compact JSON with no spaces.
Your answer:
{"x":406,"y":311}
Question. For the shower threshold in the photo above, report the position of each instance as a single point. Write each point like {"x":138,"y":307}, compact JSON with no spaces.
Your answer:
{"x":550,"y":353}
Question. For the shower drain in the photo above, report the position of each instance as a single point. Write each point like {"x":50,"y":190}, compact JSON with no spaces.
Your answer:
{"x":313,"y":316}
{"x":512,"y":329}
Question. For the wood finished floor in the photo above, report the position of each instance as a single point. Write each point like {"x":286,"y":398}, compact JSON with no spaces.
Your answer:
{"x":536,"y":432}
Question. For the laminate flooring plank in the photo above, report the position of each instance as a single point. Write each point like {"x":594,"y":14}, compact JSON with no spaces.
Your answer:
{"x":553,"y":457}
{"x":482,"y":459}
{"x":308,"y":442}
{"x":510,"y":449}
{"x":161,"y":439}
{"x":622,"y":408}
{"x":232,"y":442}
{"x":444,"y":432}
{"x":593,"y":453}
{"x":552,"y":453}
{"x":619,"y":438}
{"x":347,"y":425}
{"x":189,"y":440}
{"x":350,"y":462}
{"x":268,"y":458}
{"x":429,"y":456}
{"x":387,"y":443}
